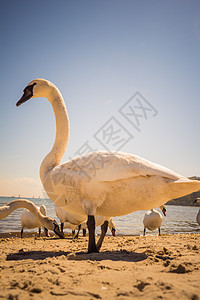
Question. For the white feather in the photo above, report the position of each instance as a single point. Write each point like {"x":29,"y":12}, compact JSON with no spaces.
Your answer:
{"x":29,"y":221}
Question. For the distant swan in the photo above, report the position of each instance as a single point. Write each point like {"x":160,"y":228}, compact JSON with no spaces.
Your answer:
{"x":30,"y":222}
{"x":198,"y":214}
{"x":103,"y":182}
{"x":153,"y":219}
{"x":68,"y":225}
{"x":67,"y":216}
{"x":46,"y":222}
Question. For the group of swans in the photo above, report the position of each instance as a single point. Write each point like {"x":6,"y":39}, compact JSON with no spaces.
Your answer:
{"x":76,"y":221}
{"x":67,"y":219}
{"x":152,"y":220}
{"x":101,"y":183}
{"x":47,"y":222}
{"x":30,"y":222}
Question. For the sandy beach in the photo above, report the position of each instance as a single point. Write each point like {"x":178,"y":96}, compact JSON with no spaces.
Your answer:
{"x":128,"y":267}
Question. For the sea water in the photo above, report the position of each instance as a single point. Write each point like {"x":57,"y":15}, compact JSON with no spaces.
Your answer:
{"x":179,"y":219}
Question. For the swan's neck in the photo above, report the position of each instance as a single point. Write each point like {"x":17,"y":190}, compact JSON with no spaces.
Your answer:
{"x":21,"y":203}
{"x":54,"y":157}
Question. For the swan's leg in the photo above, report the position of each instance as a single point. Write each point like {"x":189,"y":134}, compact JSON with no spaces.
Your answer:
{"x":22,"y":233}
{"x":84,"y":232}
{"x":144,"y":231}
{"x":104,"y":228}
{"x":91,"y":228}
{"x":159,"y":231}
{"x":73,"y":232}
{"x":39,"y":232}
{"x":61,"y":227}
{"x":79,"y":228}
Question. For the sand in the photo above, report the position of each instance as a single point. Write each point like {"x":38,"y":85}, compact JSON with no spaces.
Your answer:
{"x":128,"y":267}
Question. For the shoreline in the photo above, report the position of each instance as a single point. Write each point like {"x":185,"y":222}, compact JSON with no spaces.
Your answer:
{"x":127,"y":267}
{"x":34,"y":234}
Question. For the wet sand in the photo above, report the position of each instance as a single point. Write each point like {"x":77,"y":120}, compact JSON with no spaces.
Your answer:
{"x":128,"y":267}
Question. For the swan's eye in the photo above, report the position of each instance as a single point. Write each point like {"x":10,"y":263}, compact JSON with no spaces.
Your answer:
{"x":30,"y":87}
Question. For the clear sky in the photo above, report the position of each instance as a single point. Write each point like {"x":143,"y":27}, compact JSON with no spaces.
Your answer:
{"x":100,"y":54}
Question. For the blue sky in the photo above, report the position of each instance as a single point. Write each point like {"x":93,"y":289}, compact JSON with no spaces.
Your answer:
{"x":99,"y":54}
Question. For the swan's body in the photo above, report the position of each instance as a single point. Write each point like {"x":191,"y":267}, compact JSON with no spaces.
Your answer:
{"x":46,"y":222}
{"x":66,"y":216}
{"x":30,"y":222}
{"x":152,"y":220}
{"x":101,"y":183}
{"x":198,"y":214}
{"x":72,"y":220}
{"x":68,"y":225}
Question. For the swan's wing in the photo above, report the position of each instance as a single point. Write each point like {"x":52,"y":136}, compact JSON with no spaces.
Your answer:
{"x":110,"y":166}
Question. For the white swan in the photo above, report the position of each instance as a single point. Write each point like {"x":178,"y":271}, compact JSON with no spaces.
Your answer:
{"x":68,"y":225}
{"x":67,"y":216}
{"x":75,"y":221}
{"x":153,"y":219}
{"x":198,"y":214}
{"x":101,"y":183}
{"x":46,"y":222}
{"x":30,"y":222}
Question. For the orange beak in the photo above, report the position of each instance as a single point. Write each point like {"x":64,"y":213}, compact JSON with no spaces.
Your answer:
{"x":113,"y":232}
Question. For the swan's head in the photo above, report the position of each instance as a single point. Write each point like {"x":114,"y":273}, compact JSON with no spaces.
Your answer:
{"x":37,"y":88}
{"x":163,"y":209}
{"x":53,"y":225}
{"x":197,"y":200}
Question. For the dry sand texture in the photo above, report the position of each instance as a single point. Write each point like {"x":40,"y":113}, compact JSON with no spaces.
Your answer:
{"x":151,"y":267}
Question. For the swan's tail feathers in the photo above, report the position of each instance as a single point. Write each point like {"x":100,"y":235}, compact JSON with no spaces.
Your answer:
{"x":183,"y":187}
